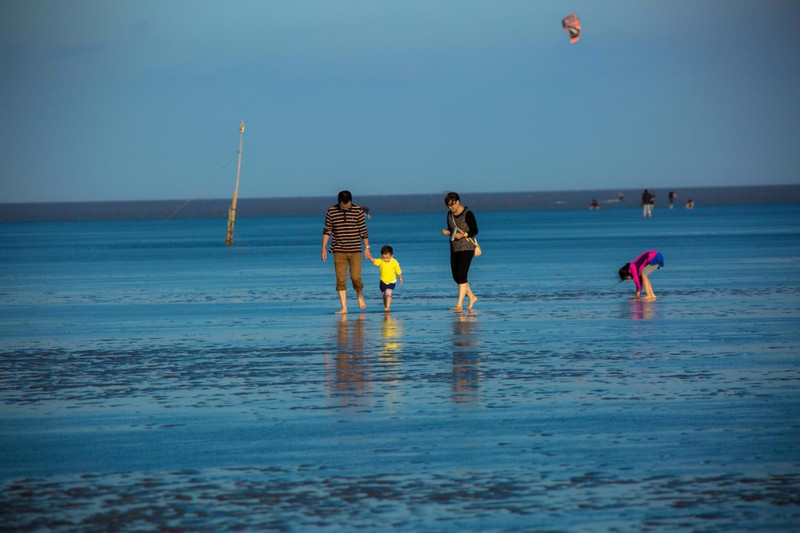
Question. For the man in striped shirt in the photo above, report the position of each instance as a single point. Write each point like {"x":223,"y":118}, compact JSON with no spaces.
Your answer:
{"x":345,"y":228}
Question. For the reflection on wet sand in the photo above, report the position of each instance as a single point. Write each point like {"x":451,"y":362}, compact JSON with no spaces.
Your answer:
{"x":641,"y":310}
{"x":638,"y":309}
{"x":389,"y":358}
{"x":349,"y":382}
{"x":466,"y":358}
{"x":392,"y":334}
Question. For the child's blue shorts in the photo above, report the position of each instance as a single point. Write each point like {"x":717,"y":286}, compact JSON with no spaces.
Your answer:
{"x":385,"y":286}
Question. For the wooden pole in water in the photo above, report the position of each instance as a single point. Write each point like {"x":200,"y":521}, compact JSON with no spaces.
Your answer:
{"x":232,"y":208}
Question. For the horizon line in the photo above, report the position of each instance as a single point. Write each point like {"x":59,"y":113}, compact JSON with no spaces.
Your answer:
{"x":485,"y":193}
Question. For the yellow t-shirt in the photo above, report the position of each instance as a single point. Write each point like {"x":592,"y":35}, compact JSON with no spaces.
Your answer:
{"x":389,"y":271}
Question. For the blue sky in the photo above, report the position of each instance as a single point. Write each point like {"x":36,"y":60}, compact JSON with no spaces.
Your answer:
{"x":138,"y":100}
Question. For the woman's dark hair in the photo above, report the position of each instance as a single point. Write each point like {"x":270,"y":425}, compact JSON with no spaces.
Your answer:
{"x":450,"y":198}
{"x":345,"y":197}
{"x":387,"y":250}
{"x":625,"y":272}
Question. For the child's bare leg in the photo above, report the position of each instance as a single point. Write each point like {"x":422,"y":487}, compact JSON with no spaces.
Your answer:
{"x":648,"y":288}
{"x":387,"y":302}
{"x":462,"y":292}
{"x":472,"y":297}
{"x":343,"y":300}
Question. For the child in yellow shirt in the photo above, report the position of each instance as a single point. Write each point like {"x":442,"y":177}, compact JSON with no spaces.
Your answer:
{"x":390,"y":272}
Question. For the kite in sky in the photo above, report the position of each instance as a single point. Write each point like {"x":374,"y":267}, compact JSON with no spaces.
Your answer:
{"x":572,"y":24}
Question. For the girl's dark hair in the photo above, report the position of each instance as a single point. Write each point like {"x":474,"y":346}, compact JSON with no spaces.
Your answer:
{"x":387,"y":250}
{"x":450,"y":198}
{"x":625,"y":272}
{"x":345,"y":197}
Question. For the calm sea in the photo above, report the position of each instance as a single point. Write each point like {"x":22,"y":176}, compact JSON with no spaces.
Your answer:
{"x":393,"y":204}
{"x":152,"y":378}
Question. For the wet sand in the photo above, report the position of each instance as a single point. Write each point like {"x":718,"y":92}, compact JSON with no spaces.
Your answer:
{"x":424,"y":419}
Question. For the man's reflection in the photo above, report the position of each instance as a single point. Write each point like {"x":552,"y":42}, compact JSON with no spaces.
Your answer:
{"x":351,"y":376}
{"x":466,"y":358}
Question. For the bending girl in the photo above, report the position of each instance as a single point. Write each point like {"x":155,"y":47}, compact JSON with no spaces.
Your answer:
{"x":639,"y":271}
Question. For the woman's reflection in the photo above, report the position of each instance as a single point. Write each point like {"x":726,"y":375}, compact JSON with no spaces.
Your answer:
{"x":466,"y":358}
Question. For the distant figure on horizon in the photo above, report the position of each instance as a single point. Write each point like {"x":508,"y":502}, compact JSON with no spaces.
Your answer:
{"x":345,"y":228}
{"x":462,"y":229}
{"x":366,"y":212}
{"x":639,"y":271}
{"x":672,"y":196}
{"x":389,"y":274}
{"x":690,"y":204}
{"x":621,"y":196}
{"x":595,"y":204}
{"x":648,"y":199}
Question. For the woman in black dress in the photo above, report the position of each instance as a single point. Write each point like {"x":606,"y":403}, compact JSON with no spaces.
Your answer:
{"x":462,"y":229}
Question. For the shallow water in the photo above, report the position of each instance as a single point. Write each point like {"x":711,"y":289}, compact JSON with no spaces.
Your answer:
{"x":153,"y":378}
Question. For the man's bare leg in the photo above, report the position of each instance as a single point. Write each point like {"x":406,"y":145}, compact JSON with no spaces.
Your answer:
{"x":343,"y":300}
{"x":361,"y":303}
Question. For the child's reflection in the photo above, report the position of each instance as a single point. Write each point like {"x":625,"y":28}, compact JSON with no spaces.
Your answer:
{"x":392,"y":333}
{"x":391,"y":349}
{"x":466,"y":358}
{"x":641,"y":309}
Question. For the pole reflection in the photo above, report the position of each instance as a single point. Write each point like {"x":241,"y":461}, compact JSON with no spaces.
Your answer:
{"x":466,"y":358}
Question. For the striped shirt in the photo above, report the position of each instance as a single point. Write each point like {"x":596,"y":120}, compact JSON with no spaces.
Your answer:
{"x":346,"y":228}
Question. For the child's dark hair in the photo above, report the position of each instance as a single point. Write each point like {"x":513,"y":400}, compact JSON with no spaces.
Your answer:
{"x":625,"y":272}
{"x":387,"y":250}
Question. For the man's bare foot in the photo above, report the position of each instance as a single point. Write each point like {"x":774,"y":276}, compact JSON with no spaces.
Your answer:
{"x":472,"y":301}
{"x":456,"y":308}
{"x":648,"y":298}
{"x":361,"y":303}
{"x":342,"y":311}
{"x":386,"y":309}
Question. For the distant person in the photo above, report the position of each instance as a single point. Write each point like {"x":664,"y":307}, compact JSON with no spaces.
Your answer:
{"x":595,"y":204}
{"x":639,"y":271}
{"x":672,"y":196}
{"x":345,"y":228}
{"x":389,"y":274}
{"x":366,"y":212}
{"x":461,"y":228}
{"x":621,"y":196}
{"x":648,"y":199}
{"x":690,"y":204}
